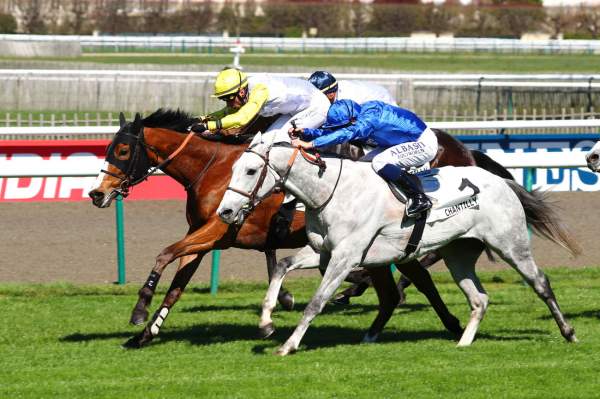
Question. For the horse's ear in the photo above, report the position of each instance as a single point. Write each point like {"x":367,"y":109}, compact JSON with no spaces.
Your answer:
{"x":256,"y":140}
{"x":122,"y":120}
{"x":280,"y":137}
{"x":137,"y":123}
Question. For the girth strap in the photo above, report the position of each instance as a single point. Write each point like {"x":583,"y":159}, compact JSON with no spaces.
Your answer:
{"x":416,"y":234}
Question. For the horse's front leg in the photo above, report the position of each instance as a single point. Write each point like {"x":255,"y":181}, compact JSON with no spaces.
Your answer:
{"x":387,"y":293}
{"x":285,"y":298}
{"x":426,"y":262}
{"x":200,"y":240}
{"x":422,"y":280}
{"x":343,"y":260}
{"x":306,"y":258}
{"x":139,"y":315}
{"x":187,"y":267}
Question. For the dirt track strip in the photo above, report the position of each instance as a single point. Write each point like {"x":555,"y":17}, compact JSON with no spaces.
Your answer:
{"x":74,"y":242}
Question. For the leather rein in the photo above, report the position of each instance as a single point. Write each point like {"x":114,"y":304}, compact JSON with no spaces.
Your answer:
{"x":255,"y":199}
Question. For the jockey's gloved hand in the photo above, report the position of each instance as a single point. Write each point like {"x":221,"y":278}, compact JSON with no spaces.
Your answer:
{"x":198,"y":127}
{"x":295,"y":133}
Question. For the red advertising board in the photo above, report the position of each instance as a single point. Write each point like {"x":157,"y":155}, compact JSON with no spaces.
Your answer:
{"x":69,"y":188}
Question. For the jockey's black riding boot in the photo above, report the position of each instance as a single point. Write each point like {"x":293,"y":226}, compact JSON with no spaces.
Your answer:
{"x":417,"y":200}
{"x":283,"y":219}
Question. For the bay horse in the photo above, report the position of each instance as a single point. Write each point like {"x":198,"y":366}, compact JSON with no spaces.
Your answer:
{"x":203,"y":167}
{"x":349,"y":228}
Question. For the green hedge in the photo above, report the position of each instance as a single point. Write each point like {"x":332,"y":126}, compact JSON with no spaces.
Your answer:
{"x":8,"y":24}
{"x":495,"y":18}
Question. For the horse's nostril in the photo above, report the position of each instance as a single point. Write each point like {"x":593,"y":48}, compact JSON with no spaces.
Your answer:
{"x":96,"y":196}
{"x":225,"y":212}
{"x":593,"y":158}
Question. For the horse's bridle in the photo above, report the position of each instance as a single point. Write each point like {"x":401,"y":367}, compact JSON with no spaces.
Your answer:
{"x":254,"y":200}
{"x":253,"y":197}
{"x":134,"y":173}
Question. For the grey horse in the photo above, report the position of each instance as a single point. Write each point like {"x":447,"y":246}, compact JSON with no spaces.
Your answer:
{"x":593,"y":158}
{"x":354,"y":220}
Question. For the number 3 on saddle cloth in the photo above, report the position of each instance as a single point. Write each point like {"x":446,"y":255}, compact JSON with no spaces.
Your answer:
{"x":449,"y":192}
{"x":450,"y":195}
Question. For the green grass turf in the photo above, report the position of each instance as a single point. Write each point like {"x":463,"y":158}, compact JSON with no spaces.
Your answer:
{"x":64,"y":341}
{"x":414,"y":62}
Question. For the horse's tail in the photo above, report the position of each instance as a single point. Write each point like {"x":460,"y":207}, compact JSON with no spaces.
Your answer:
{"x":542,"y":217}
{"x":487,"y":163}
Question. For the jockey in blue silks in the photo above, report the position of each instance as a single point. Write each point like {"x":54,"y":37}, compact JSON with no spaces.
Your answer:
{"x":401,"y":138}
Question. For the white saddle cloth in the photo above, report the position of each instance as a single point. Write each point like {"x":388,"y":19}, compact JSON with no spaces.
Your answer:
{"x":443,"y":187}
{"x":450,"y":193}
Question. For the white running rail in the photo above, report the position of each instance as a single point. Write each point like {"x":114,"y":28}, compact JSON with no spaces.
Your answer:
{"x":382,"y":44}
{"x":467,"y":125}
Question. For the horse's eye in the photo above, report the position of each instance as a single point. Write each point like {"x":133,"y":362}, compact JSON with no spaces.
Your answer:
{"x":123,"y":151}
{"x":250,"y":172}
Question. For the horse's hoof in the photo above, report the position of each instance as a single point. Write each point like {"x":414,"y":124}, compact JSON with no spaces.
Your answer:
{"x":284,"y":351}
{"x":138,"y":317}
{"x":370,"y":339}
{"x":457,"y":333}
{"x":133,"y":343}
{"x":286,"y":301}
{"x":341,"y":300}
{"x":569,"y":334}
{"x":402,"y":300}
{"x":453,"y":326}
{"x":266,"y":331}
{"x":138,"y":341}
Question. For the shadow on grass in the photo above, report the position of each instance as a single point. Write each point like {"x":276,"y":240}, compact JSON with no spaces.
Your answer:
{"x":202,"y":334}
{"x":324,"y":337}
{"x":81,"y":337}
{"x":590,"y":314}
{"x":316,"y":337}
{"x":299,"y":307}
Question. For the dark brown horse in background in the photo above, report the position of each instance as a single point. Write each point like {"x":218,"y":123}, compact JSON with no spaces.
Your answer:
{"x":204,"y":168}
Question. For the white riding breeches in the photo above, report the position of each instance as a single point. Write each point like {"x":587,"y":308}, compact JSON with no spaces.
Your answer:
{"x":406,"y":155}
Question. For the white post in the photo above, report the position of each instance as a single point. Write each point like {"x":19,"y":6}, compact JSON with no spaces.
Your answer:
{"x":237,"y":50}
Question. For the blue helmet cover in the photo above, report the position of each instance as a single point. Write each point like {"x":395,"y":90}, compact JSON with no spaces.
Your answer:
{"x":323,"y":81}
{"x":342,"y":113}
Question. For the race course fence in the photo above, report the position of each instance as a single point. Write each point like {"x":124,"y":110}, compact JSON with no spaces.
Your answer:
{"x":435,"y":97}
{"x":210,"y":44}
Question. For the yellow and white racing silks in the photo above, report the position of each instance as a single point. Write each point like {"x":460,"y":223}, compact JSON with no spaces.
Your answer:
{"x":360,"y":92}
{"x":292,"y":98}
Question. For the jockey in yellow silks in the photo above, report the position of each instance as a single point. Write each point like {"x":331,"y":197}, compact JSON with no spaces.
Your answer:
{"x":247,"y":97}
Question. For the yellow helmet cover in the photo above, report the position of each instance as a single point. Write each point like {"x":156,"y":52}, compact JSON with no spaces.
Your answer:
{"x":229,"y":81}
